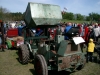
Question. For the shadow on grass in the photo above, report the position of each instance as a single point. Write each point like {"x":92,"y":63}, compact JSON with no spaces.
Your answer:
{"x":52,"y":72}
{"x":17,"y":53}
{"x":32,"y":71}
{"x":18,"y":60}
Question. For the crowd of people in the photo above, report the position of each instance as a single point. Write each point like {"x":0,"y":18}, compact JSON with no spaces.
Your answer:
{"x":5,"y":26}
{"x":86,"y":31}
{"x":89,"y":32}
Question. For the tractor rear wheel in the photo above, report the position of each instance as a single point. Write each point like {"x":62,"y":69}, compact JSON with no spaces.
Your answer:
{"x":23,"y":54}
{"x":40,"y":65}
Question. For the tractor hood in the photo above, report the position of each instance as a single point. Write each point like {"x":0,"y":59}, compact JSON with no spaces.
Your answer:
{"x":42,"y":14}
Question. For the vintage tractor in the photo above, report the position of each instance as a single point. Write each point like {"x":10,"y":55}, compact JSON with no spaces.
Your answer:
{"x":45,"y":44}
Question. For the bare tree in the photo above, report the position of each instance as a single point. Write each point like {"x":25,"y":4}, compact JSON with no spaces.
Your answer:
{"x":4,"y":13}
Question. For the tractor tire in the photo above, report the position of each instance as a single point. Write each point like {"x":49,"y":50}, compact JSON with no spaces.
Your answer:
{"x":40,"y":65}
{"x":23,"y":54}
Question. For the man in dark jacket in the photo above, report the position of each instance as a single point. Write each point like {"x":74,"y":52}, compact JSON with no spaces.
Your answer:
{"x":89,"y":35}
{"x":68,"y":27}
{"x":1,"y":35}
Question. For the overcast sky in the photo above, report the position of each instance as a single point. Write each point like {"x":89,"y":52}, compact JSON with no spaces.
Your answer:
{"x":83,"y":7}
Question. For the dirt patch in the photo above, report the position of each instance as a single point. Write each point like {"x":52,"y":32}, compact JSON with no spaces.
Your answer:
{"x":9,"y":65}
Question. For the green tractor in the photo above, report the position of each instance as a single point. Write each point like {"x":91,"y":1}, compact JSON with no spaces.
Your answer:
{"x":47,"y":47}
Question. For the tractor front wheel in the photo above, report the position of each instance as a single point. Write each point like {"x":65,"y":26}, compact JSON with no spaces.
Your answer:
{"x":23,"y":54}
{"x":40,"y":65}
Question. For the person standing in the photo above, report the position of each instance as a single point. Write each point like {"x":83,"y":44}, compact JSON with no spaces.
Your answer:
{"x":68,"y":27}
{"x":90,"y":51}
{"x":97,"y":31}
{"x":89,"y":35}
{"x":86,"y":29}
{"x":1,"y":36}
{"x":62,"y":28}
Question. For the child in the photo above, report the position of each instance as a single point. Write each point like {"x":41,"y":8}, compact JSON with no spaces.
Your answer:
{"x":91,"y":47}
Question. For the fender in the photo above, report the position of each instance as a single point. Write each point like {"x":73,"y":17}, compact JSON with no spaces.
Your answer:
{"x":29,"y":46}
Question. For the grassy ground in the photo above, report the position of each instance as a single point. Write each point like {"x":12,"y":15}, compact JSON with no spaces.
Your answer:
{"x":9,"y":65}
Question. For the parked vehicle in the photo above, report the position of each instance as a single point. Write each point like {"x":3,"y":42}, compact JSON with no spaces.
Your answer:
{"x":48,"y":49}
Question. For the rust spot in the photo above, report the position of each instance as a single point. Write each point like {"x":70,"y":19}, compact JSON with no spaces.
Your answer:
{"x":65,"y":62}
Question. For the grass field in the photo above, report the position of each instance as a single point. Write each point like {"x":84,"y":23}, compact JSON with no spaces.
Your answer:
{"x":9,"y":65}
